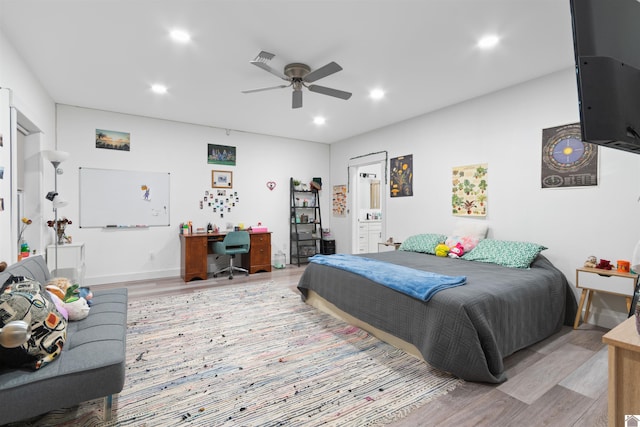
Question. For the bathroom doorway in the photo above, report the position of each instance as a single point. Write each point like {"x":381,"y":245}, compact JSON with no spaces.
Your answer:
{"x":367,"y":185}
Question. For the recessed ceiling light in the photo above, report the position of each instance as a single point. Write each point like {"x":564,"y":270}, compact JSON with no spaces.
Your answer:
{"x":180,"y":36}
{"x":376,"y":94}
{"x":161,"y":89}
{"x":487,"y":42}
{"x":319,"y":120}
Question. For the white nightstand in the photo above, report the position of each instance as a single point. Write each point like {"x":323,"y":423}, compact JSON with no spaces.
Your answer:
{"x":71,"y":261}
{"x":612,"y":282}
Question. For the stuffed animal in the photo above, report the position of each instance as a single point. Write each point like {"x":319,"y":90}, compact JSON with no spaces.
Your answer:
{"x":77,"y":309}
{"x":442,"y":250}
{"x":86,"y":293}
{"x":591,"y":262}
{"x":604,"y":264}
{"x":76,"y":306}
{"x":58,"y":286}
{"x":457,"y":251}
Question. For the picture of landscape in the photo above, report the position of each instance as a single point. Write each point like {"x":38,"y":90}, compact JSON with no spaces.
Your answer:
{"x":113,"y":140}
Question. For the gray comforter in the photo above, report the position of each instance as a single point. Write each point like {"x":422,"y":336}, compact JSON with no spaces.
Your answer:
{"x":466,"y":330}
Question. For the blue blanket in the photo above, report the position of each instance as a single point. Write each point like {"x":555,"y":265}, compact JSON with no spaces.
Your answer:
{"x":415,"y":283}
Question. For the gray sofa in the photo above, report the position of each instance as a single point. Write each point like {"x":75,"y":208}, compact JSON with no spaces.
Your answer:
{"x":91,"y":365}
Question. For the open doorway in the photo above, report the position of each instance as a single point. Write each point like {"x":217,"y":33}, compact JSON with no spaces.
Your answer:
{"x":367,"y":183}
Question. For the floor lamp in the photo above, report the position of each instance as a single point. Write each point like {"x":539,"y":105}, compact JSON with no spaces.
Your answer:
{"x":56,"y":157}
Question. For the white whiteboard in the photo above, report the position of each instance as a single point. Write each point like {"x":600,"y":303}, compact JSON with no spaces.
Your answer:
{"x":120,"y":198}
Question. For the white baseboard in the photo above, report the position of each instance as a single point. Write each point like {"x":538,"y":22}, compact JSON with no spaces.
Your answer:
{"x":605,"y":318}
{"x":118,"y":278}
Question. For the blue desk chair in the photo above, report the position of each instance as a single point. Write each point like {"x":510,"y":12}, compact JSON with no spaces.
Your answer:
{"x":235,"y":242}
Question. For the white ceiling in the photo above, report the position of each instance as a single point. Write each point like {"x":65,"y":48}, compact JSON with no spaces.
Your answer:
{"x":105,"y":54}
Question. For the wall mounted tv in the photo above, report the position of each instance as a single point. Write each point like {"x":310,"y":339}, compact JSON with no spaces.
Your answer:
{"x":606,"y":39}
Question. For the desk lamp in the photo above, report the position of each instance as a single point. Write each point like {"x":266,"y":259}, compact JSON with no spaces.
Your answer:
{"x":14,"y":334}
{"x":56,"y":157}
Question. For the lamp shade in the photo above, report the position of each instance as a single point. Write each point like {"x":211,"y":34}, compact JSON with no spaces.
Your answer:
{"x":55,"y":156}
{"x":14,"y":334}
{"x":57,"y":200}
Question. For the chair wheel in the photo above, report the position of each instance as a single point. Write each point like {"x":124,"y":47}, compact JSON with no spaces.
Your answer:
{"x":230,"y":277}
{"x":246,"y":274}
{"x":215,"y":275}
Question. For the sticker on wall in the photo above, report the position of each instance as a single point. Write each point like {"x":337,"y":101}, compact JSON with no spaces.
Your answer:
{"x":470,"y":190}
{"x":567,"y":161}
{"x":339,"y":200}
{"x":271,"y":185}
{"x":113,"y":140}
{"x":221,"y":155}
{"x":401,"y":176}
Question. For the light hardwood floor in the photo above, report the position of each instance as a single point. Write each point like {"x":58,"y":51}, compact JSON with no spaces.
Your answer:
{"x":561,"y":381}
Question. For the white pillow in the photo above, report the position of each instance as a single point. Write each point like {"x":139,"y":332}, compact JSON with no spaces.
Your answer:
{"x":471,"y":228}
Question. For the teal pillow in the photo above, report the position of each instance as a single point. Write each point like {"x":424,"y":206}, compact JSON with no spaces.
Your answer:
{"x":505,"y":253}
{"x":424,"y":243}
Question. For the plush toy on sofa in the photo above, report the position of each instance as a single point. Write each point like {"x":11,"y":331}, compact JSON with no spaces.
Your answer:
{"x":76,"y":306}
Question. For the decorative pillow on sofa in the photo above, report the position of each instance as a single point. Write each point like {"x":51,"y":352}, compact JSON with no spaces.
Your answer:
{"x":505,"y":253}
{"x":25,"y":299}
{"x":425,"y":243}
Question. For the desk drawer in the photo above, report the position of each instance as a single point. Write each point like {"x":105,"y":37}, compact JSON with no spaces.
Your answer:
{"x":612,"y":284}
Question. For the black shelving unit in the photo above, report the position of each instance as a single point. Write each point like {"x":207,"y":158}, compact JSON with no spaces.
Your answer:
{"x":305,"y":225}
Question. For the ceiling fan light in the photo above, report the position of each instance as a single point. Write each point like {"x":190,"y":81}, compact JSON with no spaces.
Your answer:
{"x":319,"y":120}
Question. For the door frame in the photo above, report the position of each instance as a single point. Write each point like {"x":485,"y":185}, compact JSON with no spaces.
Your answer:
{"x":353,"y":190}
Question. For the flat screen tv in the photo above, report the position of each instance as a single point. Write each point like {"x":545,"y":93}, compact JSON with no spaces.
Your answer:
{"x":606,"y":39}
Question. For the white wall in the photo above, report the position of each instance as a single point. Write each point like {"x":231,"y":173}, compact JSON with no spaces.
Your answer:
{"x":504,"y":129}
{"x":34,"y":104}
{"x":181,"y":150}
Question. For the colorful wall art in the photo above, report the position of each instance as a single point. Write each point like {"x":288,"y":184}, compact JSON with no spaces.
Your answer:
{"x":401,"y":176}
{"x":469,"y":185}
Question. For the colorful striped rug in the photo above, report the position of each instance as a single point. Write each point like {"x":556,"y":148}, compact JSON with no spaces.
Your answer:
{"x":256,"y":355}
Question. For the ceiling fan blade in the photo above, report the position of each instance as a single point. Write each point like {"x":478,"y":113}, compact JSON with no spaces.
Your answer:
{"x":329,"y":91}
{"x":322,"y":72}
{"x":265,"y":88}
{"x":269,"y":69}
{"x":296,"y":100}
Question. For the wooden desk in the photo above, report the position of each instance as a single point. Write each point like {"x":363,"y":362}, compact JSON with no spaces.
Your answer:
{"x":624,"y":371}
{"x":194,"y":249}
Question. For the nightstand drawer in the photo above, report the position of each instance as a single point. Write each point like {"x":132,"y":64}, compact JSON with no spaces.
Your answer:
{"x":621,"y":285}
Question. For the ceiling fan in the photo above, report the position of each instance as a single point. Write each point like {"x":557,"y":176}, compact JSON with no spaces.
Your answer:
{"x":299,"y":75}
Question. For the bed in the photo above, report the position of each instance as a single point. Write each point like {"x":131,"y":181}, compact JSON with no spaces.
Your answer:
{"x":465,"y":330}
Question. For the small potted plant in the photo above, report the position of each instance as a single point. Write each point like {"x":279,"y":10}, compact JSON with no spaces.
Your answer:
{"x":296,"y":184}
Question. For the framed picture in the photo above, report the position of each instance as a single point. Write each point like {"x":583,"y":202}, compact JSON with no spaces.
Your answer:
{"x":401,"y":176}
{"x":221,"y":179}
{"x":221,"y":154}
{"x":113,"y":140}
